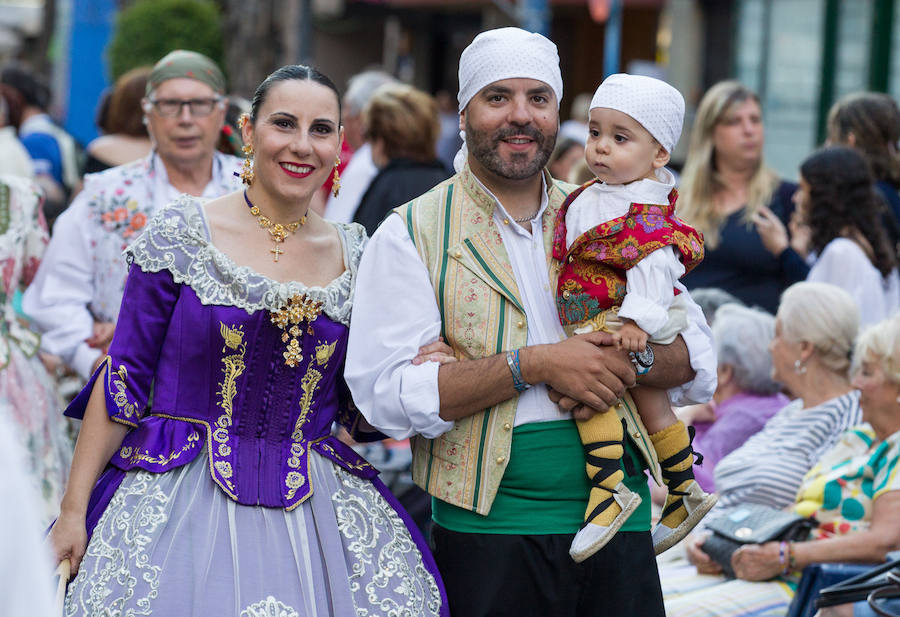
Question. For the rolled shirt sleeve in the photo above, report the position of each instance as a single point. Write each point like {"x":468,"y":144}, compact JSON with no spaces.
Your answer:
{"x":394,"y":313}
{"x":698,"y":339}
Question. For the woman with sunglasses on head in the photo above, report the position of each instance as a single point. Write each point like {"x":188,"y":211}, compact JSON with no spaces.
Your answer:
{"x":229,"y":495}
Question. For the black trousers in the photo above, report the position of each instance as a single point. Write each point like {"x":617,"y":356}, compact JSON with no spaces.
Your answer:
{"x":496,"y":575}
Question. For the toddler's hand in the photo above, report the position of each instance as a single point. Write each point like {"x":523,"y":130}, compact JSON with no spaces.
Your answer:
{"x":631,"y":338}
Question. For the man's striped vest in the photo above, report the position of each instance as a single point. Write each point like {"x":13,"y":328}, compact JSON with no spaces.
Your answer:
{"x":453,"y":229}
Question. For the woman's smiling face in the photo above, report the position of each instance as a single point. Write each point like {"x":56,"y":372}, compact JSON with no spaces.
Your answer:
{"x":296,"y":138}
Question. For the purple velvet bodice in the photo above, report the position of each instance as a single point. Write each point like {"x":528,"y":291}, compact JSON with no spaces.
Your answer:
{"x":210,"y":355}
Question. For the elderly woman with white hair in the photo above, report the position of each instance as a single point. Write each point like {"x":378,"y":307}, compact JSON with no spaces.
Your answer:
{"x":746,"y":395}
{"x":853,"y":492}
{"x":878,"y":380}
{"x":815,"y":328}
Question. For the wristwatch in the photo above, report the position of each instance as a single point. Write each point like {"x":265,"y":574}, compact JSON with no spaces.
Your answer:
{"x":642,"y":360}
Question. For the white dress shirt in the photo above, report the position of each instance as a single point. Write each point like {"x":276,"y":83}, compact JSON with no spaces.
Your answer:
{"x":650,"y":283}
{"x":355,"y":179}
{"x":395,"y":312}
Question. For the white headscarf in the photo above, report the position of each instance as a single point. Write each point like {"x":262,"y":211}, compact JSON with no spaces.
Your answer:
{"x":505,"y":53}
{"x":656,"y":105}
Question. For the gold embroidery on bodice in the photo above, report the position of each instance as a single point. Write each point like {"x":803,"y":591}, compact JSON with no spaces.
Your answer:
{"x":233,"y":366}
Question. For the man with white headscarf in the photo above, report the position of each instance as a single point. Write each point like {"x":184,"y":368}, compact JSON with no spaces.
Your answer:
{"x":469,"y":261}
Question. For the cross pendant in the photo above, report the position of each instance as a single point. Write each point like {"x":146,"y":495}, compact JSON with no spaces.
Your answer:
{"x":276,"y":251}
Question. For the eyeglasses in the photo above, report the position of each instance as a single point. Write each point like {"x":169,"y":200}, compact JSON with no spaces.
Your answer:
{"x":196,"y":107}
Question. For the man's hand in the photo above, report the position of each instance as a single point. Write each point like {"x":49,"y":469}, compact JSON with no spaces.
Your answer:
{"x":630,"y":337}
{"x":51,"y":362}
{"x":585,"y":367}
{"x":102,"y":336}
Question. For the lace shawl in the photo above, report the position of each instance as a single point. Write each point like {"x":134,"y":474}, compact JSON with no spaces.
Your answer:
{"x":177,"y":239}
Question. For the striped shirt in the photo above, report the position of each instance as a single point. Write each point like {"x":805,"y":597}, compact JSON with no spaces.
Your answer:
{"x":770,"y":466}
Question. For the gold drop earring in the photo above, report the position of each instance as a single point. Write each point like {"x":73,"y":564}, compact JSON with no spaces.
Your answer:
{"x":246,"y":174}
{"x":336,"y":181}
{"x":247,"y":168}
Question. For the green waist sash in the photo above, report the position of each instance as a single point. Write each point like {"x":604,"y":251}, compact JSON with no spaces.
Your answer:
{"x":545,"y":487}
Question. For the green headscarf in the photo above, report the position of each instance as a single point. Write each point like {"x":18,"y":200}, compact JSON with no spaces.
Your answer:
{"x":189,"y":64}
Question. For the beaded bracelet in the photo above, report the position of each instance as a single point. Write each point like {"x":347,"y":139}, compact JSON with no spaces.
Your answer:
{"x":784,"y":557}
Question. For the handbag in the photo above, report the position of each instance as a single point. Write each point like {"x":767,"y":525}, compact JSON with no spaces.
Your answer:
{"x":889,"y":590}
{"x":752,"y":524}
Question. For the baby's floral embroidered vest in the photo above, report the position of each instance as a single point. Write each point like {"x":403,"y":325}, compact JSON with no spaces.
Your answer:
{"x":592,"y":278}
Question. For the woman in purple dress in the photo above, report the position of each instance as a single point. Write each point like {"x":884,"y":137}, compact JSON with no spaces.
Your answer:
{"x":206,"y":480}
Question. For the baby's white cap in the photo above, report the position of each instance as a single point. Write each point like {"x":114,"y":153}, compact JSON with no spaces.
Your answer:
{"x":656,"y":105}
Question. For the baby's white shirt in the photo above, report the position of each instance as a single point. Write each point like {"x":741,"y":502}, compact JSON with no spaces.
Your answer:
{"x":651,"y":282}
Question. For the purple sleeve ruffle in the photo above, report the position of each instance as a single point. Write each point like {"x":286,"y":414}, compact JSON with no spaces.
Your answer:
{"x":128,"y":370}
{"x":159,"y":444}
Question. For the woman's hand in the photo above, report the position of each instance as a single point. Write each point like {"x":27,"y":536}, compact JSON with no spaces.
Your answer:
{"x":801,"y":234}
{"x":68,"y":539}
{"x":757,"y":562}
{"x":438,"y":351}
{"x":771,"y":231}
{"x":695,"y":554}
{"x":579,"y":410}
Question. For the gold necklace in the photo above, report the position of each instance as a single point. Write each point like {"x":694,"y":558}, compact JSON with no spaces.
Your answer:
{"x":278,"y":231}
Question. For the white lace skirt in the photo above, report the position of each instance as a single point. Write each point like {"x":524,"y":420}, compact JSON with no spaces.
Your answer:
{"x":174,"y":545}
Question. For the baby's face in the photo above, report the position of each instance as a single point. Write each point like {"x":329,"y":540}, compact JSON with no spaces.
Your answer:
{"x":619,"y":150}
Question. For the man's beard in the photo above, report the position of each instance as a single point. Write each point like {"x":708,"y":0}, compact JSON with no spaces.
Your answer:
{"x":484,"y":148}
